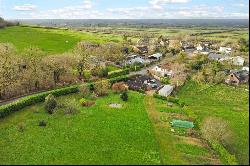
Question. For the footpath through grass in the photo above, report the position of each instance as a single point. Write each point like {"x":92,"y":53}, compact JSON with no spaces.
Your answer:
{"x":97,"y":135}
{"x":50,"y":40}
{"x":227,"y":102}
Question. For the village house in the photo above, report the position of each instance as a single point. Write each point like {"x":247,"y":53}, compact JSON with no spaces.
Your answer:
{"x":217,"y":57}
{"x":238,"y":61}
{"x":166,"y":90}
{"x":237,"y":77}
{"x":246,"y":68}
{"x":132,"y":59}
{"x":227,"y":50}
{"x":156,"y":56}
{"x":163,"y":70}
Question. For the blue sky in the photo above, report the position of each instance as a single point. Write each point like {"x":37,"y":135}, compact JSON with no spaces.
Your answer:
{"x":123,"y":9}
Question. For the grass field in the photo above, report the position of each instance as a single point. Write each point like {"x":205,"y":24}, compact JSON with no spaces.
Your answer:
{"x":174,"y":148}
{"x":227,"y":102}
{"x":97,"y":135}
{"x":50,"y":40}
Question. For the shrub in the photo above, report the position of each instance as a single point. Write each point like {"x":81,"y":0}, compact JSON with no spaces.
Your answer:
{"x":83,"y":101}
{"x":173,"y":99}
{"x":159,"y":97}
{"x":50,"y":103}
{"x":102,"y":88}
{"x":42,"y":123}
{"x":91,"y":87}
{"x":124,"y":96}
{"x":118,"y":73}
{"x":86,"y":103}
{"x":84,"y":90}
{"x":21,"y":127}
{"x":71,"y":107}
{"x":165,"y":80}
{"x":119,"y":87}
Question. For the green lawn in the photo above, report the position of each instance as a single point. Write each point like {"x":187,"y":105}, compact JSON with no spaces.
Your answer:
{"x":226,"y":102}
{"x":50,"y":40}
{"x":97,"y":135}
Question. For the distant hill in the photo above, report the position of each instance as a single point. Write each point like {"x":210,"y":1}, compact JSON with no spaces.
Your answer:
{"x":4,"y":23}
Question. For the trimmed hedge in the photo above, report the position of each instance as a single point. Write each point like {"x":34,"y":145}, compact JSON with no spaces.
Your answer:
{"x":118,"y":79}
{"x":118,"y":73}
{"x":33,"y":99}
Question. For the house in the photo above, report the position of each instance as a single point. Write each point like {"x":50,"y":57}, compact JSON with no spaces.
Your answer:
{"x":238,"y":61}
{"x":156,"y":56}
{"x":163,"y":70}
{"x":217,"y":57}
{"x":227,"y":50}
{"x":200,"y":47}
{"x":186,"y":45}
{"x":136,"y":60}
{"x":237,"y":77}
{"x":246,"y":68}
{"x":166,"y":90}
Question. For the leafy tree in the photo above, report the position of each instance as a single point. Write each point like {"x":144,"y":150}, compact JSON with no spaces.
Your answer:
{"x":124,"y":96}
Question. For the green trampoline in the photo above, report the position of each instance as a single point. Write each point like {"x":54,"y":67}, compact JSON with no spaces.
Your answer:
{"x":182,"y":124}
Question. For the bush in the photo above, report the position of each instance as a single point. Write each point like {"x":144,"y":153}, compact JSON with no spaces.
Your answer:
{"x":173,"y":100}
{"x":124,"y":96}
{"x":102,"y":87}
{"x":33,"y":99}
{"x":165,"y":80}
{"x":50,"y":103}
{"x":71,"y":107}
{"x":42,"y":123}
{"x":118,"y":73}
{"x":159,"y":97}
{"x":86,"y":103}
{"x":83,"y":101}
{"x":119,"y":87}
{"x":84,"y":90}
{"x":21,"y":127}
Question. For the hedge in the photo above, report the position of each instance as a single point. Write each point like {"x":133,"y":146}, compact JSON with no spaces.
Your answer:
{"x":170,"y":99}
{"x":118,"y":73}
{"x":225,"y":156}
{"x":33,"y":99}
{"x":5,"y":110}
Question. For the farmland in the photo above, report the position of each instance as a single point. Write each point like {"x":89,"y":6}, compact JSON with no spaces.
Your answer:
{"x":50,"y":40}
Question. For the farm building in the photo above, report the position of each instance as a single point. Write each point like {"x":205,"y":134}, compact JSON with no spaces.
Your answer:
{"x":227,"y":50}
{"x":218,"y":57}
{"x":166,"y":90}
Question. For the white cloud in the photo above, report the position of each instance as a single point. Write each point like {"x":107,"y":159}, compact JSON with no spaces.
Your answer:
{"x":158,"y":4}
{"x":240,"y":5}
{"x":25,"y":7}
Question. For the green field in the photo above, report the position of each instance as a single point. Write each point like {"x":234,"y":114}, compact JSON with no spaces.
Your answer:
{"x":97,"y":135}
{"x":50,"y":40}
{"x":227,"y":102}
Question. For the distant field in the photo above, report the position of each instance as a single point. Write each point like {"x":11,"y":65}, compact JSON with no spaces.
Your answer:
{"x":50,"y":40}
{"x":97,"y":135}
{"x":227,"y":102}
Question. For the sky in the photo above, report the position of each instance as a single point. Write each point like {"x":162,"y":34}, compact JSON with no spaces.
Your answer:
{"x":124,"y":9}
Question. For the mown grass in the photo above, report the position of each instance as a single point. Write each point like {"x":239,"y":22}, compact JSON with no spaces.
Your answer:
{"x":50,"y":40}
{"x":97,"y":135}
{"x":227,"y":102}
